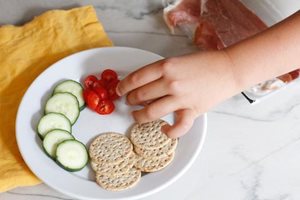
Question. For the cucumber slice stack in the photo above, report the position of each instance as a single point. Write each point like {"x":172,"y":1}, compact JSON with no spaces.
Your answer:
{"x":62,"y":110}
{"x":53,"y":139}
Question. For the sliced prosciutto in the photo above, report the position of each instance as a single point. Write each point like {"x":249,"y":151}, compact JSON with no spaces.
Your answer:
{"x":217,"y":23}
{"x":180,"y":13}
{"x":231,"y":21}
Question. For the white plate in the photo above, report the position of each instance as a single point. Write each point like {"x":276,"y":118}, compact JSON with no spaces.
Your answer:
{"x":81,"y":184}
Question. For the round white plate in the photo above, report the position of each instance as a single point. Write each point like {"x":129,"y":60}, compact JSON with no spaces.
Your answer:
{"x":89,"y":124}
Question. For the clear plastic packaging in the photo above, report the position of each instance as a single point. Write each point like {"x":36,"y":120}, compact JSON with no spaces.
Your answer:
{"x":216,"y":24}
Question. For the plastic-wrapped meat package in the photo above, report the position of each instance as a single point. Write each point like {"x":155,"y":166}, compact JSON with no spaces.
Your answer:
{"x":216,"y":24}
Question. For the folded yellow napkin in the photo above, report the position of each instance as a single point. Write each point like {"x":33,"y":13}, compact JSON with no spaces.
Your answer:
{"x":25,"y":52}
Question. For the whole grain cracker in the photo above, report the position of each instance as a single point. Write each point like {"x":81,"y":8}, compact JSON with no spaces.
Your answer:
{"x":110,"y":147}
{"x":163,"y":151}
{"x":117,"y":168}
{"x":149,"y":135}
{"x":153,"y":164}
{"x":120,"y":181}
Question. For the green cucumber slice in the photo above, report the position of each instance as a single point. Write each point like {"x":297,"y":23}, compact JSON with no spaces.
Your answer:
{"x":71,"y":155}
{"x":72,"y":87}
{"x":53,"y":121}
{"x":64,"y":103}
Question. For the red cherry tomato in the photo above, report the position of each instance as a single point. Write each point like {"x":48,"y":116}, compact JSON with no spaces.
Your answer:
{"x":89,"y":81}
{"x":105,"y":107}
{"x":91,"y":98}
{"x":99,"y":83}
{"x":109,"y":75}
{"x":111,"y":90}
{"x":101,"y":91}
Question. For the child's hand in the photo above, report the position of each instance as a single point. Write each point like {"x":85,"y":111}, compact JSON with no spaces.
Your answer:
{"x":187,"y":85}
{"x":190,"y":85}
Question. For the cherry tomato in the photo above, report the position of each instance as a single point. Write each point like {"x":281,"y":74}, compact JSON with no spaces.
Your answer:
{"x":105,"y":107}
{"x":91,"y":98}
{"x":111,"y":90}
{"x":109,"y":75}
{"x":89,"y":81}
{"x":101,"y":91}
{"x":99,"y":83}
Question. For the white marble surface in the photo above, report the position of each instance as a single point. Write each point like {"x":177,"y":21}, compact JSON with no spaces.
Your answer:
{"x":250,"y":153}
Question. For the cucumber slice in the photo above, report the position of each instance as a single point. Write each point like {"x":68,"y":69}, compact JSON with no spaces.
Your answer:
{"x":53,"y":121}
{"x":53,"y":138}
{"x":64,"y":103}
{"x":71,"y":155}
{"x":72,"y":87}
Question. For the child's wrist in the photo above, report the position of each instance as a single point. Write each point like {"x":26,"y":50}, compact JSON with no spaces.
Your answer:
{"x":236,"y":84}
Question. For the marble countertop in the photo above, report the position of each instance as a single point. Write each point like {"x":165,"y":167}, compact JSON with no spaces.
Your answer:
{"x":251,"y":151}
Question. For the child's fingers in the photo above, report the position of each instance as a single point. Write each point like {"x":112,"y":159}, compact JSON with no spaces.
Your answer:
{"x":138,"y":78}
{"x":148,"y":92}
{"x":183,"y":123}
{"x":156,"y":110}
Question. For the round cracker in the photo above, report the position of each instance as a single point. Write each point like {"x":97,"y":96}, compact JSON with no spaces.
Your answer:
{"x":159,"y":152}
{"x":120,"y":181}
{"x":121,"y":167}
{"x":153,"y":164}
{"x":149,"y":135}
{"x":110,"y":147}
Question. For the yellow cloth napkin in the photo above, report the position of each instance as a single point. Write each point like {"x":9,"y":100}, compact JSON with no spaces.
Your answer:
{"x":24,"y":53}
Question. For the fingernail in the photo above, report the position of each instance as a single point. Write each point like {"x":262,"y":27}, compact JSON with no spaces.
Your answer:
{"x":118,"y":90}
{"x":136,"y":118}
{"x":165,"y":129}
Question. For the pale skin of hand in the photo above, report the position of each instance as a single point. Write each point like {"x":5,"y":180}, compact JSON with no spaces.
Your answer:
{"x":191,"y":85}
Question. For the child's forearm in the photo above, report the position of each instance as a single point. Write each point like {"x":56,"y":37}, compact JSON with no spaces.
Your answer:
{"x":267,"y":55}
